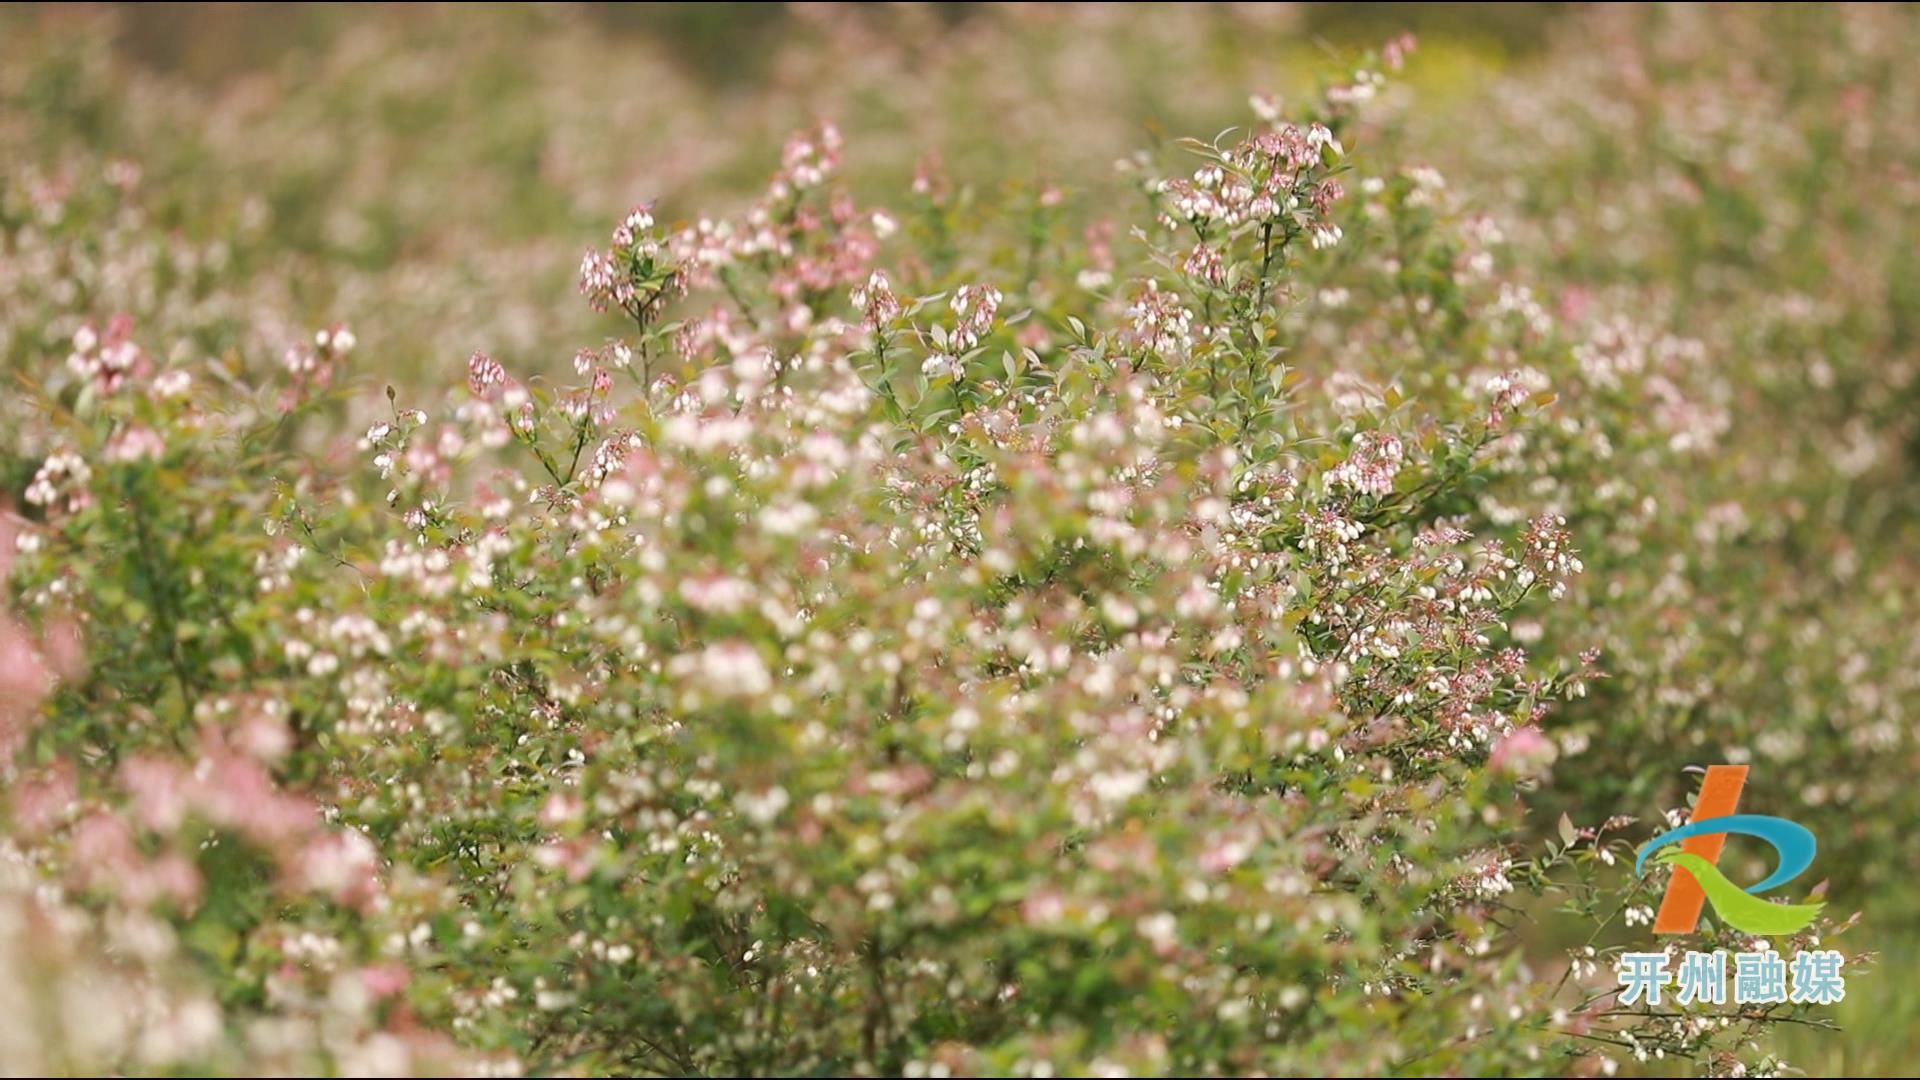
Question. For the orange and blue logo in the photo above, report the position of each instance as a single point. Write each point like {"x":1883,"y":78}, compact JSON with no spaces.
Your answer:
{"x":1697,"y":879}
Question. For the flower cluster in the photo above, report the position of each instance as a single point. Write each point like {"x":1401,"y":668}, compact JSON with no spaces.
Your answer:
{"x":635,"y":274}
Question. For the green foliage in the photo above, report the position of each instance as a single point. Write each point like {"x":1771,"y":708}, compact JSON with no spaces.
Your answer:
{"x":1014,"y":627}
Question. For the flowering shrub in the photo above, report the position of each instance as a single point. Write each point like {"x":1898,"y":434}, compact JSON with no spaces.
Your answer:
{"x":964,"y":635}
{"x":1751,"y":525}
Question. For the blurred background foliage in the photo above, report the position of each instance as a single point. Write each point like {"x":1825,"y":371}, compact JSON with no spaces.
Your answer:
{"x":490,"y":146}
{"x":1745,"y":176}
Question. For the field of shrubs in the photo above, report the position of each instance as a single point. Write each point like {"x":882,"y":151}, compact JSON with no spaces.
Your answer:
{"x":947,"y":539}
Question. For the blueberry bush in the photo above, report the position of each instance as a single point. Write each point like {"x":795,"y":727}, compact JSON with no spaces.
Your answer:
{"x":1232,"y":612}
